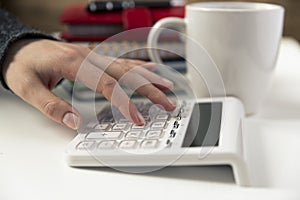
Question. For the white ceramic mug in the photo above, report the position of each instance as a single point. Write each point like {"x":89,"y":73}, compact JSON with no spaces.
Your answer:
{"x":243,"y":40}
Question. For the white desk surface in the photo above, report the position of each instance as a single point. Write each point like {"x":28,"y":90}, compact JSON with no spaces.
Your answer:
{"x":32,"y":165}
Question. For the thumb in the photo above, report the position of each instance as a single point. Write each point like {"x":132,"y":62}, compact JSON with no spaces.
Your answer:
{"x":54,"y":107}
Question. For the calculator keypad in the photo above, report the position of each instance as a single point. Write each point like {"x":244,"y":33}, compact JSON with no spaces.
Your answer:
{"x":115,"y":131}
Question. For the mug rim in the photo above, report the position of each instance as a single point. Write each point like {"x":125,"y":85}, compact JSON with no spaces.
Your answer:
{"x":223,"y":6}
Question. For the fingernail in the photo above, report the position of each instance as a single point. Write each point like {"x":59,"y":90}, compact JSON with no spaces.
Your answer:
{"x":169,"y":83}
{"x":140,"y":118}
{"x":172,"y":103}
{"x":150,"y":66}
{"x":71,"y":120}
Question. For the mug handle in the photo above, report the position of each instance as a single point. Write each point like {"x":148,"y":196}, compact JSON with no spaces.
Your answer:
{"x":156,"y":30}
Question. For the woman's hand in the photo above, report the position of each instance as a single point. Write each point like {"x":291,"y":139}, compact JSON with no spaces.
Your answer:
{"x":32,"y":68}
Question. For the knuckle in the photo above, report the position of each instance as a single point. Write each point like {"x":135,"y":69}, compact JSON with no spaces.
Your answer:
{"x":50,"y":107}
{"x":126,"y":68}
{"x":107,"y":84}
{"x":85,"y":49}
{"x":70,"y":57}
{"x":125,"y":65}
{"x":70,"y":54}
{"x":122,"y":67}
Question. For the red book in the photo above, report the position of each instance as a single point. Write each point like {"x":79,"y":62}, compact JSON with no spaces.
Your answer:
{"x":84,"y":26}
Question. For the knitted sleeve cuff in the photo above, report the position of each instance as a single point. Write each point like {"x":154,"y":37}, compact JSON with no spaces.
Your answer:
{"x":11,"y":30}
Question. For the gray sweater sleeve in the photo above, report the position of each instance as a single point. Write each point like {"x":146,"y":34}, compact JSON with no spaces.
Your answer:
{"x":12,"y":30}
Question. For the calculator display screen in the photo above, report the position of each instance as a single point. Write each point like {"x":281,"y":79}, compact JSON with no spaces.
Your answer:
{"x":204,"y":125}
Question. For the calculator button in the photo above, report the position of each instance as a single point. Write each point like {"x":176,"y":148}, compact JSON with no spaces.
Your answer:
{"x":154,"y":134}
{"x":149,"y":144}
{"x":101,"y":126}
{"x":107,"y":144}
{"x":133,"y":134}
{"x":162,"y":117}
{"x":85,"y":145}
{"x":128,"y":144}
{"x":179,"y":117}
{"x":176,"y":124}
{"x":168,"y":143}
{"x":104,"y":135}
{"x":156,"y":125}
{"x":120,"y":126}
{"x":172,"y":133}
{"x":134,"y":126}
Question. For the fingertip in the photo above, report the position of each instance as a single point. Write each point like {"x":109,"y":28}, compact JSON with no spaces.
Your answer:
{"x":71,"y":120}
{"x":140,"y":119}
{"x":172,"y":105}
{"x":136,"y":116}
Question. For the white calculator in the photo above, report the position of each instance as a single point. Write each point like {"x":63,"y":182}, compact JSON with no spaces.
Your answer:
{"x":198,"y":132}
